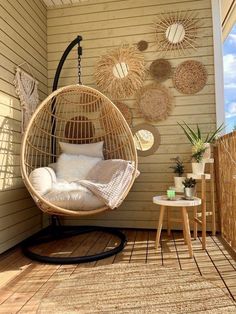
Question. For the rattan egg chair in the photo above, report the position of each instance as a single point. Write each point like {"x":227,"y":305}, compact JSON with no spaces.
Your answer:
{"x":75,"y":114}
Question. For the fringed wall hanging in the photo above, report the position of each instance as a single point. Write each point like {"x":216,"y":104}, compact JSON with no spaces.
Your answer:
{"x":121,"y":72}
{"x":27,"y":90}
{"x":176,"y":31}
{"x":155,"y":102}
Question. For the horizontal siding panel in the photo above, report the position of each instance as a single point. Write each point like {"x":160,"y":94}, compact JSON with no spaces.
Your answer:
{"x":15,"y":218}
{"x":57,"y":28}
{"x":16,"y":39}
{"x":110,"y":6}
{"x":116,"y":13}
{"x":112,"y":42}
{"x":13,"y":196}
{"x":10,"y":66}
{"x":23,"y":12}
{"x":18,"y":25}
{"x":20,"y":227}
{"x":28,"y":230}
{"x":23,"y":33}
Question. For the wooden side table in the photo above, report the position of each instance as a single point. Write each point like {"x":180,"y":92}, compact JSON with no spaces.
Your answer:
{"x":183,"y":204}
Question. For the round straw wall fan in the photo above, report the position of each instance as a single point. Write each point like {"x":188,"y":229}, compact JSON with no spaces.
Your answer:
{"x":160,"y":70}
{"x":190,"y":77}
{"x":155,"y":102}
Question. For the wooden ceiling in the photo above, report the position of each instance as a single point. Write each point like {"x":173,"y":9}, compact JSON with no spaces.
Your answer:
{"x":226,"y":6}
{"x":53,"y":3}
{"x":228,"y":16}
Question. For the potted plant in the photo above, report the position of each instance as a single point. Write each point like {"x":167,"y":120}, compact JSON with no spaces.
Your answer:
{"x":179,"y":170}
{"x":189,"y":188}
{"x":198,"y":164}
{"x":196,"y":137}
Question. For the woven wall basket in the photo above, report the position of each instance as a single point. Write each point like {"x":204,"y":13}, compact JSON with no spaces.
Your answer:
{"x":124,"y":109}
{"x":160,"y":70}
{"x":155,"y":102}
{"x":190,"y":77}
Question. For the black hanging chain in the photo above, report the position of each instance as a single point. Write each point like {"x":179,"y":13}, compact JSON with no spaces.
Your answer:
{"x":79,"y":63}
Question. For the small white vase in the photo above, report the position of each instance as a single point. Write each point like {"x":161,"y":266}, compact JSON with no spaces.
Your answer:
{"x":179,"y":187}
{"x":207,"y":153}
{"x":198,"y":168}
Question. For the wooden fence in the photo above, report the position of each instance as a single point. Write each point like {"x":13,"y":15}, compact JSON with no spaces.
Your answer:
{"x":226,"y":186}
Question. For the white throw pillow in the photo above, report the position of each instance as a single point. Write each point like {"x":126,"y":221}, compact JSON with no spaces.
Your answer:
{"x":75,"y":167}
{"x":92,"y":149}
{"x":42,"y":179}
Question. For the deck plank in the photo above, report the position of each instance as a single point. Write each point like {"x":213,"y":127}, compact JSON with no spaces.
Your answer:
{"x":25,"y":283}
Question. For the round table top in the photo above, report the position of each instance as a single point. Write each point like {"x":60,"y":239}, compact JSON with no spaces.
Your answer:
{"x":179,"y":201}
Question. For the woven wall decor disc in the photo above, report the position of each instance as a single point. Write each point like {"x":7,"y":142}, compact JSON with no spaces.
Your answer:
{"x":124,"y":109}
{"x":190,"y":77}
{"x":155,"y":102}
{"x":160,"y":70}
{"x":142,"y":45}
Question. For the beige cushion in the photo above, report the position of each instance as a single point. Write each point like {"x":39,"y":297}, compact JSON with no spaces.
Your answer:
{"x":93,"y":149}
{"x":42,"y":179}
{"x":75,"y":167}
{"x":73,"y":196}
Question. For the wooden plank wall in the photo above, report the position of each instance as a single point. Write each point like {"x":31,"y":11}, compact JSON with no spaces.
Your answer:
{"x":105,"y":24}
{"x":23,"y":38}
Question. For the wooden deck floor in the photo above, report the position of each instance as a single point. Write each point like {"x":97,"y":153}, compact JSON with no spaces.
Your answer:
{"x":23,"y":282}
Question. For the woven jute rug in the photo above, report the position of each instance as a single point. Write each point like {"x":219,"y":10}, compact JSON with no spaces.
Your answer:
{"x":136,"y":288}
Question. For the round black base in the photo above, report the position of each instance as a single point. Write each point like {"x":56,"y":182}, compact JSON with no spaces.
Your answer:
{"x":62,"y":232}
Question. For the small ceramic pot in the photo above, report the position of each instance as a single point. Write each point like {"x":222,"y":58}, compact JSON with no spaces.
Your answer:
{"x":189,"y":193}
{"x":179,"y":187}
{"x":198,"y":168}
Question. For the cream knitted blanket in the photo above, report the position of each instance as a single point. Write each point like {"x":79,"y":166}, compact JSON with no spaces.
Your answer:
{"x":109,"y":180}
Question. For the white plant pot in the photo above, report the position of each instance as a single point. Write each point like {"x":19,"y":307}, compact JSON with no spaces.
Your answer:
{"x":207,"y":153}
{"x":179,"y":187}
{"x":198,"y":168}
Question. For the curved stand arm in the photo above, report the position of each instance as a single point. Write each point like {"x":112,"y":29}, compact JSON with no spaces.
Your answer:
{"x":76,"y":41}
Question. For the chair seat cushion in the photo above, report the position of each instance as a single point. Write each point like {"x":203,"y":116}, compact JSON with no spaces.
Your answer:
{"x":73,"y":196}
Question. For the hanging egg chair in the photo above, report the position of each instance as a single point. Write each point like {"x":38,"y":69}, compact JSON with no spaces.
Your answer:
{"x":75,"y":114}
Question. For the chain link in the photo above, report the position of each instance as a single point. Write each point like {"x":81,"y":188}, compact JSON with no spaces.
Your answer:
{"x":79,"y":64}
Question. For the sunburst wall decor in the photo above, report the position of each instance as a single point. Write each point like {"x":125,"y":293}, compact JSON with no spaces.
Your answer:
{"x":177,"y":31}
{"x":121,"y":72}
